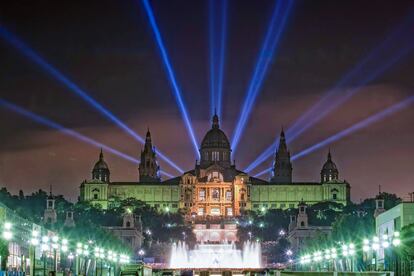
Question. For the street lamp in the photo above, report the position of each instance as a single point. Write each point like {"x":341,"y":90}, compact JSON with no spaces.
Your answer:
{"x":70,"y":257}
{"x":55,"y":246}
{"x":99,"y":255}
{"x":7,"y":231}
{"x":45,"y":248}
{"x":141,"y":254}
{"x":34,"y":242}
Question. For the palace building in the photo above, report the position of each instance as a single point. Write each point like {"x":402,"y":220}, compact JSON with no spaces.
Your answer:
{"x":215,"y":188}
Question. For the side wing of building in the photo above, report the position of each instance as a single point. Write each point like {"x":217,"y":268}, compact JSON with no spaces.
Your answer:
{"x":265,"y":195}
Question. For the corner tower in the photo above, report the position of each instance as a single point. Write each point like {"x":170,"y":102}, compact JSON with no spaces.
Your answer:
{"x":100,"y":170}
{"x":215,"y":147}
{"x":329,"y":170}
{"x":149,"y":170}
{"x":282,"y":167}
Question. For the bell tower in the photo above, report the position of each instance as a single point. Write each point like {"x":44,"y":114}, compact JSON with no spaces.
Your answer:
{"x":282,"y":167}
{"x":50,"y":215}
{"x":302,"y":220}
{"x":149,"y":170}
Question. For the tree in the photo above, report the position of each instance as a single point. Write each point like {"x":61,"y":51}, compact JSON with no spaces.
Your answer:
{"x":406,"y":249}
{"x":4,"y":253}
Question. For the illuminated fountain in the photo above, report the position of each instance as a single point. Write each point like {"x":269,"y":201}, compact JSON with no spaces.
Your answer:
{"x":216,"y":256}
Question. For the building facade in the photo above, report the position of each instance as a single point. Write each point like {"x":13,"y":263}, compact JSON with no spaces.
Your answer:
{"x":215,"y":188}
{"x":301,"y":232}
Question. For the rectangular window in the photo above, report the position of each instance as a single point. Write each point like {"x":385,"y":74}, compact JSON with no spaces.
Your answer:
{"x":202,"y":195}
{"x":274,"y":205}
{"x":175,"y":205}
{"x":200,"y":212}
{"x":255,"y":205}
{"x":215,"y":211}
{"x":215,"y":156}
{"x":291,"y":205}
{"x":282,"y":205}
{"x":228,"y":195}
{"x":230,"y":212}
{"x":215,"y":194}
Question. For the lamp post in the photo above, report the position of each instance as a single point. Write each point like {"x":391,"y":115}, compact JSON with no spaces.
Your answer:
{"x":86,"y":254}
{"x":55,"y":246}
{"x":141,"y":254}
{"x":45,"y":249}
{"x":289,"y":254}
{"x":7,"y":231}
{"x":70,"y":257}
{"x":7,"y":234}
{"x":99,"y":255}
{"x":79,"y":252}
{"x":34,"y":242}
{"x":64,"y":247}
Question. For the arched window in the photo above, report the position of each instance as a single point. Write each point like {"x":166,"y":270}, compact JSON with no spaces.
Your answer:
{"x":128,"y":224}
{"x":215,"y":156}
{"x":215,"y":176}
{"x":215,"y":194}
{"x":302,"y":223}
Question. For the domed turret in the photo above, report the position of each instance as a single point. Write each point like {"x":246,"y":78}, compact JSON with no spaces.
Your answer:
{"x":215,"y":147}
{"x":101,"y":170}
{"x":329,"y":170}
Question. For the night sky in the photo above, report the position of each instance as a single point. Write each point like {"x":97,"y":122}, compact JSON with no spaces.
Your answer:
{"x":107,"y":48}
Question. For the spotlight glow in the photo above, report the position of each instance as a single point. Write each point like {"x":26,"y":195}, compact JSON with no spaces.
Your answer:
{"x":360,"y":125}
{"x":276,"y":28}
{"x":212,"y":54}
{"x":49,"y":123}
{"x":74,"y":88}
{"x":269,"y":151}
{"x":217,"y":66}
{"x":171,"y":75}
{"x":380,"y":59}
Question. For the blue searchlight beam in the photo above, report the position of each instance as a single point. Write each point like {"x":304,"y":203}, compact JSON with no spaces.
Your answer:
{"x":212,"y":52}
{"x":56,"y":74}
{"x":217,"y":66}
{"x":275,"y":30}
{"x":49,"y":123}
{"x":328,"y":103}
{"x":171,"y":75}
{"x":358,"y":126}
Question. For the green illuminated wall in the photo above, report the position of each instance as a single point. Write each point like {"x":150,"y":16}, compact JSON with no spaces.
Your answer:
{"x":284,"y":196}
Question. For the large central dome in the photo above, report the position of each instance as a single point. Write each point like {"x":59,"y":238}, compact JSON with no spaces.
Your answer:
{"x":215,"y":137}
{"x":215,"y":147}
